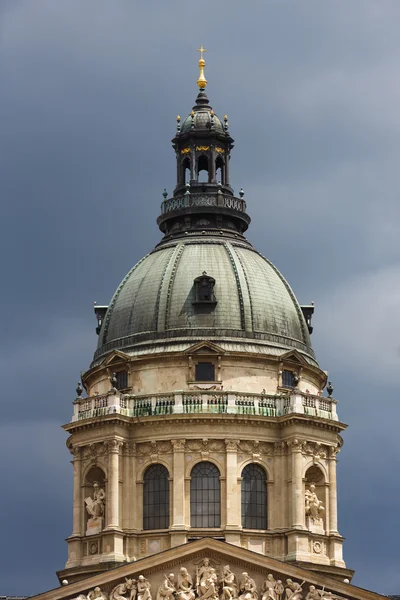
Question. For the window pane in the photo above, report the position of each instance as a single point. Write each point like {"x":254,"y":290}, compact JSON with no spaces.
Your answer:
{"x":205,"y":508}
{"x":287,"y":379}
{"x":205,"y":371}
{"x":156,"y":498}
{"x":254,"y":497}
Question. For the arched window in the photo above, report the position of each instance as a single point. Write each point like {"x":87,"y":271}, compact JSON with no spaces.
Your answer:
{"x":185,"y":170}
{"x":205,"y":497}
{"x":219,"y":169}
{"x":156,"y":498}
{"x":202,"y":165}
{"x":254,"y":497}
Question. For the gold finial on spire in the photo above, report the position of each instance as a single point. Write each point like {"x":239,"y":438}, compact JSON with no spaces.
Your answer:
{"x":202,"y":81}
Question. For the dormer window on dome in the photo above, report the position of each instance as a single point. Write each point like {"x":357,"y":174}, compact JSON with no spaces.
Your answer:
{"x":204,"y":290}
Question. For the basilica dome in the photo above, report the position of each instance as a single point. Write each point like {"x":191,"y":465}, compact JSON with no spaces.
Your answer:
{"x":204,"y":280}
{"x":251,"y":302}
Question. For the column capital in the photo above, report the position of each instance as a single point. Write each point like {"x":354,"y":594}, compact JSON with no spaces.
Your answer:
{"x":114,"y":446}
{"x":296,"y":445}
{"x":178,"y":445}
{"x":232,"y":445}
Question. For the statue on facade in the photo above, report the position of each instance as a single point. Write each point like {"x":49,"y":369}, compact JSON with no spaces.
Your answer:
{"x":167,"y":589}
{"x":269,"y":588}
{"x":229,"y":584}
{"x":279,"y":589}
{"x":124,"y":591}
{"x":248,"y":588}
{"x":96,"y":594}
{"x":184,"y":590}
{"x":203,"y":573}
{"x":293,"y":590}
{"x":314,"y":510}
{"x":208,"y":586}
{"x":95,"y":506}
{"x":143,"y":588}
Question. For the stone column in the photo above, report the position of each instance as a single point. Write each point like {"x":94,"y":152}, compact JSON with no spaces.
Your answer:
{"x":113,"y":485}
{"x":77,"y":509}
{"x":226,"y":178}
{"x":332,"y":491}
{"x":233,"y":516}
{"x":178,"y":491}
{"x":297,"y":486}
{"x":211,"y":167}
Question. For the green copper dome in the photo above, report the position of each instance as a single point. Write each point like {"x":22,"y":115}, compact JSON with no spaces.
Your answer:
{"x":156,"y":302}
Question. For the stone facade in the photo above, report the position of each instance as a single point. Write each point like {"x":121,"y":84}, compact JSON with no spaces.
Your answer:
{"x":116,"y":437}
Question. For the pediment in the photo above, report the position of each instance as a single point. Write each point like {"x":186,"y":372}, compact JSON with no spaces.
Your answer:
{"x":294,"y":356}
{"x":205,"y":348}
{"x":156,"y":567}
{"x":116,"y":357}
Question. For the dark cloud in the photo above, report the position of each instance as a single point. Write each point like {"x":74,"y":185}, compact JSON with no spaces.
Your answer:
{"x":90,"y":92}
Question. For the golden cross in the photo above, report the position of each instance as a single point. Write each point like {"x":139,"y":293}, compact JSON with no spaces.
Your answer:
{"x":201,"y":50}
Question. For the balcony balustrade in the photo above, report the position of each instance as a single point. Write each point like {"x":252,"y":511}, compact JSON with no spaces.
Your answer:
{"x":204,"y":402}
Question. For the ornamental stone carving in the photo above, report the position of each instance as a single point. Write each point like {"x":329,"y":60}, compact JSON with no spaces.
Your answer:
{"x":232,"y":445}
{"x":95,"y":506}
{"x":248,"y":588}
{"x":229,"y":584}
{"x":124,"y":591}
{"x":95,"y":594}
{"x":143,"y":588}
{"x":167,"y":589}
{"x":185,"y":589}
{"x":293,"y":590}
{"x":314,"y":510}
{"x":269,"y":588}
{"x":178,"y":445}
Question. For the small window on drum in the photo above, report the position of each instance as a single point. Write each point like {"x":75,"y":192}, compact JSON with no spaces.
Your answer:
{"x":122,"y":380}
{"x":290,"y":379}
{"x":205,"y":371}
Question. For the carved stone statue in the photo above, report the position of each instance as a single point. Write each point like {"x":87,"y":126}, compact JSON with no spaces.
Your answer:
{"x":314,"y":510}
{"x":97,"y":594}
{"x":184,"y":589}
{"x":167,"y":589}
{"x":143,"y":588}
{"x":95,"y":507}
{"x":124,"y":591}
{"x":248,"y":588}
{"x":208,"y":586}
{"x":203,"y":573}
{"x":313,"y":594}
{"x":279,"y":590}
{"x":268,"y":588}
{"x":229,"y":584}
{"x":293,"y":590}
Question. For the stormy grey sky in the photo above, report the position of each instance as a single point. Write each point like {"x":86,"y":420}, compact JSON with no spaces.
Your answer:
{"x":89,"y":94}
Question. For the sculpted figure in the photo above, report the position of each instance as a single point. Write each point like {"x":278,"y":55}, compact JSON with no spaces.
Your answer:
{"x":125,"y":590}
{"x":208,"y":588}
{"x":185,"y":585}
{"x":293,"y":590}
{"x":95,"y":505}
{"x":143,"y":588}
{"x":229,"y":584}
{"x":313,"y":506}
{"x":279,"y":590}
{"x":313,"y":594}
{"x":167,"y":589}
{"x":203,"y":573}
{"x":268,"y":588}
{"x":96,"y":594}
{"x":248,"y":588}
